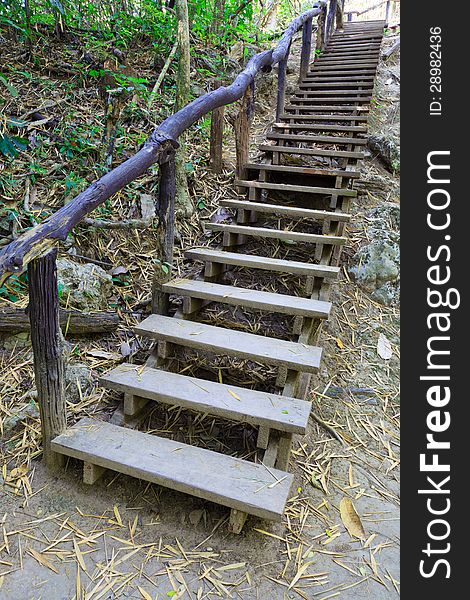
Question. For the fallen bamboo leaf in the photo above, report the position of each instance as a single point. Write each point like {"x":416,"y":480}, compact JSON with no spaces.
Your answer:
{"x":384,"y":348}
{"x":351,"y":519}
{"x":42,"y":560}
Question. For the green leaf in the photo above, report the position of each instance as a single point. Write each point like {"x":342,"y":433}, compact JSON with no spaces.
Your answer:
{"x":285,"y":412}
{"x":13,"y":91}
{"x":201,"y":204}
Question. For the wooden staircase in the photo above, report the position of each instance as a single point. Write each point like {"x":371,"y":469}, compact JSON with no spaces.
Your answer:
{"x":322,"y":130}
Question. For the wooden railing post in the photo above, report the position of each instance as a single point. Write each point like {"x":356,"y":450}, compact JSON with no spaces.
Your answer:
{"x":242,"y":126}
{"x":339,"y":15}
{"x":217,"y":136}
{"x":281,"y":85}
{"x":387,"y":13}
{"x":166,"y":233}
{"x":49,"y":369}
{"x":306,"y":48}
{"x":321,"y":30}
{"x":330,"y":24}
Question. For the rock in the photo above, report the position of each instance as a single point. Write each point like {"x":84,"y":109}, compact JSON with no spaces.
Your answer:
{"x":387,"y":149}
{"x":83,"y":286}
{"x":78,"y":380}
{"x":376,"y":265}
{"x":30,"y":410}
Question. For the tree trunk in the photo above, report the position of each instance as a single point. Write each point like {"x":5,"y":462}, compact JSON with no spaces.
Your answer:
{"x":47,"y":348}
{"x":183,"y":200}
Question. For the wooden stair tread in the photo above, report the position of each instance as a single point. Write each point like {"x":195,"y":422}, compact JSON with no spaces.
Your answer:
{"x":290,"y":236}
{"x":314,"y":117}
{"x":227,"y":401}
{"x":331,"y":108}
{"x":286,"y":187}
{"x":209,"y":475}
{"x":321,"y":127}
{"x":337,"y":84}
{"x":299,"y":100}
{"x":303,"y":170}
{"x":312,"y":93}
{"x":311,"y":151}
{"x":282,"y":209}
{"x":262,"y":262}
{"x":238,"y":296}
{"x":343,"y":141}
{"x":267,"y":350}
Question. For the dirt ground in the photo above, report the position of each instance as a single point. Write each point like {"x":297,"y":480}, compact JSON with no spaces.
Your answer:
{"x":124,"y":538}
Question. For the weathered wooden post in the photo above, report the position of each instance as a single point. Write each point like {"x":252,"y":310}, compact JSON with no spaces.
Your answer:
{"x":330,"y":25}
{"x":387,"y":13}
{"x":49,"y":369}
{"x":306,"y":48}
{"x":339,"y":15}
{"x":321,"y":30}
{"x":242,"y":126}
{"x":217,"y":135}
{"x":281,"y":85}
{"x":166,"y":225}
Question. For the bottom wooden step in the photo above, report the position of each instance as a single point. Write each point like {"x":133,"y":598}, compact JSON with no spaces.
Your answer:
{"x":232,"y":482}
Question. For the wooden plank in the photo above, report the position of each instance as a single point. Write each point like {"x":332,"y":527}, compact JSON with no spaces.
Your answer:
{"x":291,"y":211}
{"x":262,"y":262}
{"x":340,"y":92}
{"x":322,"y":81}
{"x":353,"y":99}
{"x":230,"y":342}
{"x":330,"y":139}
{"x":363,"y":110}
{"x":338,"y":83}
{"x":303,"y":170}
{"x":196,"y":471}
{"x":321,"y":127}
{"x":311,"y":151}
{"x":227,"y":401}
{"x":345,"y":66}
{"x":238,"y":296}
{"x":285,"y":187}
{"x":322,"y":75}
{"x":293,"y":236}
{"x":314,"y":117}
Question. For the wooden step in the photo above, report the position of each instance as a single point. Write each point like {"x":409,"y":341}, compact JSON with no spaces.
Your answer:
{"x":325,"y":127}
{"x":343,"y":66}
{"x":230,"y":342}
{"x":236,"y":296}
{"x":313,"y":117}
{"x":289,"y":236}
{"x":227,"y":401}
{"x":288,"y":211}
{"x":318,"y":138}
{"x":311,"y":151}
{"x":321,"y":75}
{"x":324,"y":172}
{"x":229,"y":481}
{"x":318,"y":81}
{"x":353,"y":99}
{"x":265,"y":263}
{"x":362,"y":110}
{"x":337,"y":83}
{"x":353,"y":45}
{"x":359,"y":91}
{"x":286,"y":187}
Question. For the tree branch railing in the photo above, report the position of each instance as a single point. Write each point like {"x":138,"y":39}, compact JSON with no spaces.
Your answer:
{"x":37,"y":248}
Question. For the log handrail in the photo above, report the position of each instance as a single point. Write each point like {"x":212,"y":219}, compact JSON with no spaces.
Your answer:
{"x":159,"y":147}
